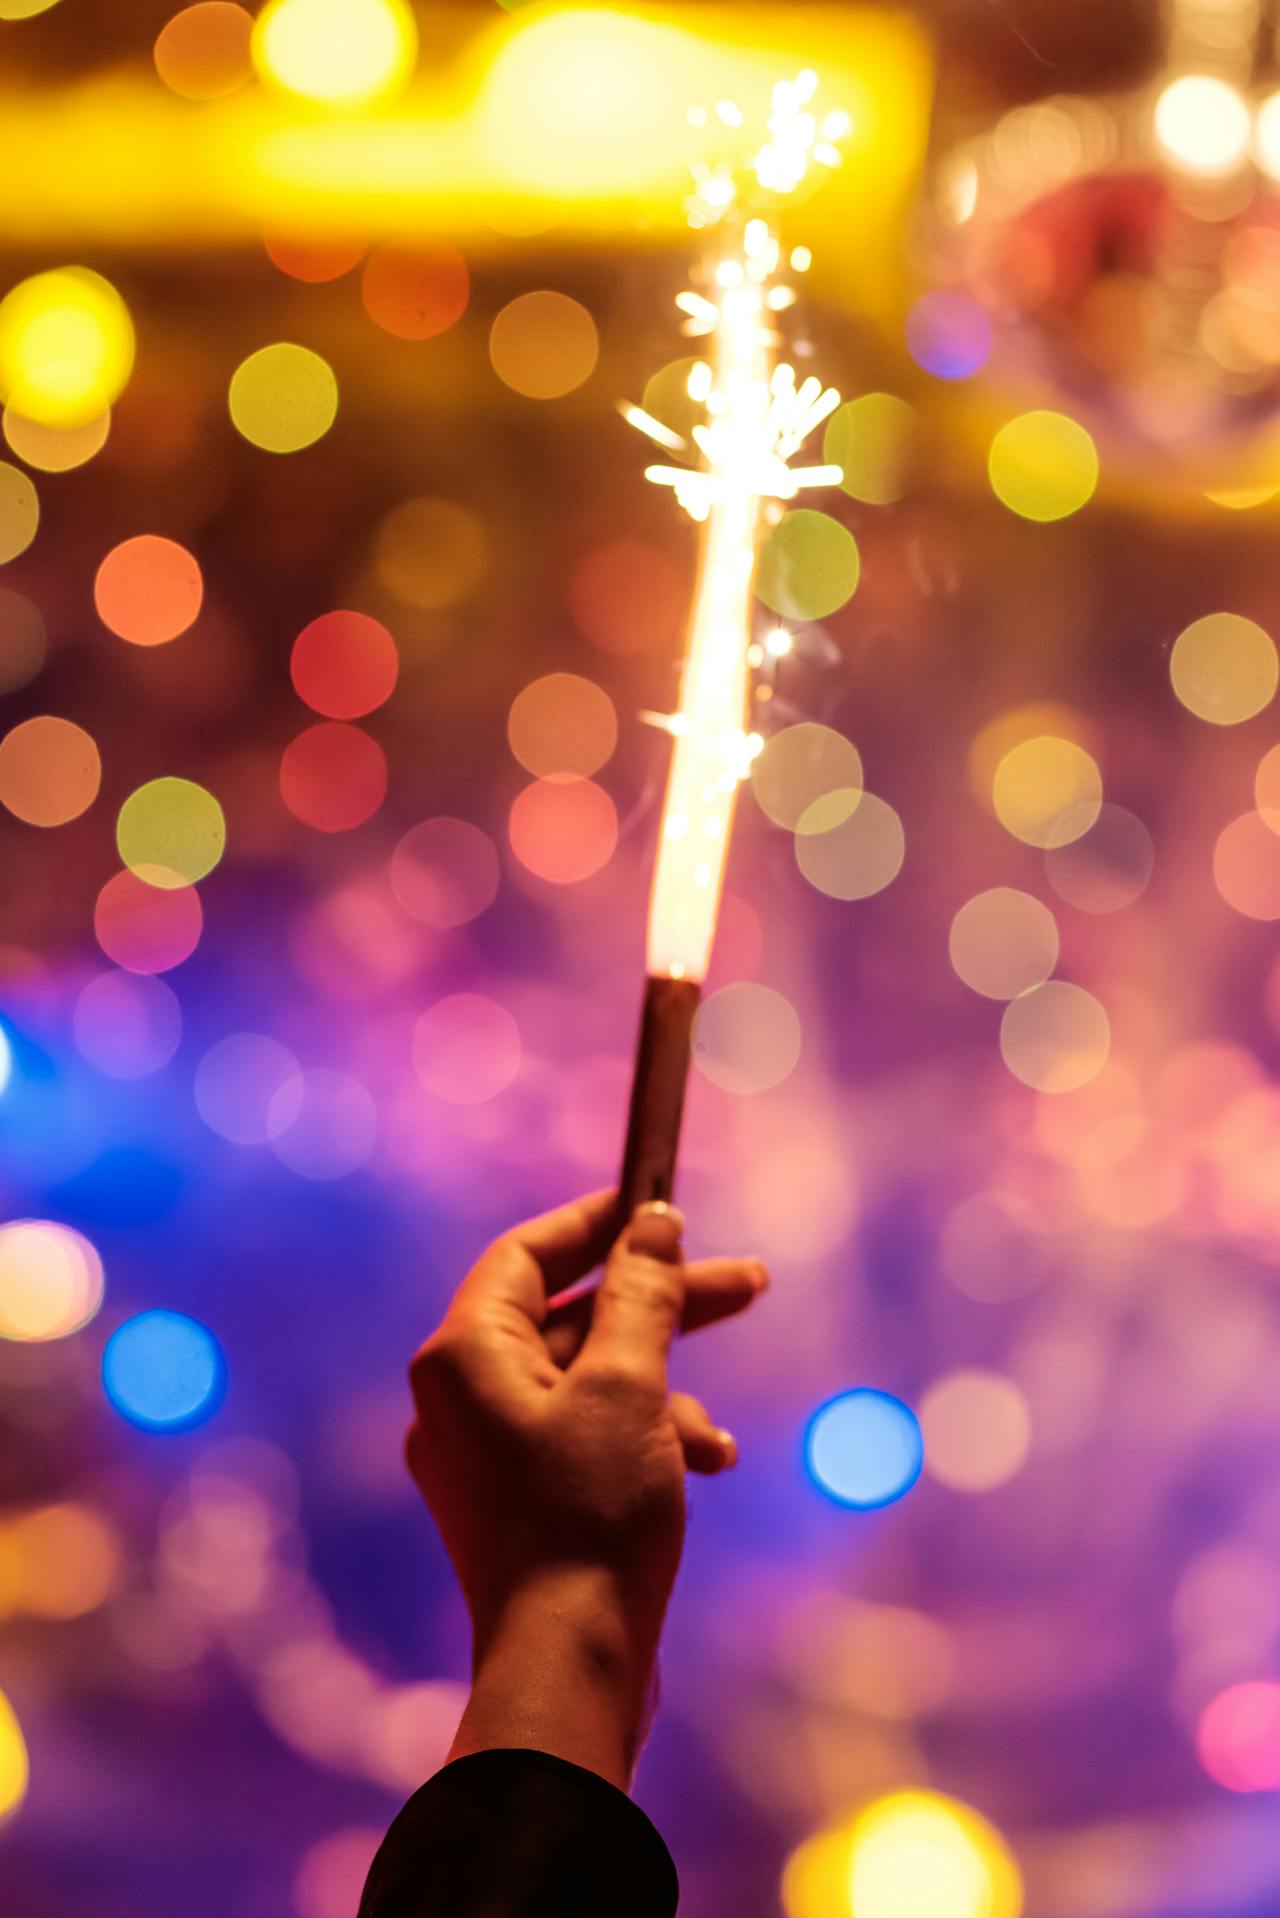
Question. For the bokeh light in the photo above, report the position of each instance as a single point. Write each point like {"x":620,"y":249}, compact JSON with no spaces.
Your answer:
{"x":51,"y":1281}
{"x":24,"y":9}
{"x":627,"y":597}
{"x":341,"y":52}
{"x":977,"y":1430}
{"x":1055,"y":1037}
{"x":24,"y":643}
{"x":19,"y":512}
{"x":1043,"y":466}
{"x":430,"y":553}
{"x":1047,"y":791}
{"x":1003,"y":942}
{"x":66,"y":347}
{"x":6,"y":1060}
{"x":667,"y":396}
{"x":163,"y":1371}
{"x":50,"y":771}
{"x":949,"y":335}
{"x":914,"y":1854}
{"x":247,"y":1087}
{"x":333,"y":777}
{"x":995,"y":1247}
{"x":858,"y":856}
{"x":466,"y":1049}
{"x":543,"y":345}
{"x":344,"y":664}
{"x":1104,"y":867}
{"x":1202,"y":124}
{"x":331,"y":1877}
{"x":415,"y":291}
{"x":55,"y":449}
{"x":444,"y":872}
{"x":60,"y":1561}
{"x":562,"y":725}
{"x":145,"y":928}
{"x":203,"y":52}
{"x":14,"y":1764}
{"x":148,"y":589}
{"x":1246,"y":866}
{"x":171,"y":832}
{"x":314,"y":262}
{"x":563,"y":830}
{"x":1224,"y":668}
{"x":333,"y":1128}
{"x":127,"y":1024}
{"x":1238,"y":1737}
{"x":746,"y":1037}
{"x":873,"y":441}
{"x":801,"y":766}
{"x":864,"y":1448}
{"x":1266,"y":782}
{"x":809,"y":565}
{"x":283,"y":397}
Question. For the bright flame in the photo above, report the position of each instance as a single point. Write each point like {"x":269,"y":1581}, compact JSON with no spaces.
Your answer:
{"x":757,"y":419}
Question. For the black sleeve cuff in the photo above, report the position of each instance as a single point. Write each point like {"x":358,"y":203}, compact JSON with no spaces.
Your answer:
{"x":520,"y":1834}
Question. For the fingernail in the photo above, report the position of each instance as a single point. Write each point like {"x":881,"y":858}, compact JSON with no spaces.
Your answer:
{"x":728,"y":1445}
{"x":758,"y":1275}
{"x":655,"y":1229}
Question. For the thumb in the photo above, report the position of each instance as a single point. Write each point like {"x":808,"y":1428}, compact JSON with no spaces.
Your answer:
{"x":641,"y":1296}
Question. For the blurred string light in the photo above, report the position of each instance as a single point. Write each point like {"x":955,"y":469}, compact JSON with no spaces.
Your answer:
{"x":340,"y":52}
{"x":1224,"y":668}
{"x":171,"y":832}
{"x":856,"y":856}
{"x":1238,"y":1737}
{"x":344,"y":665}
{"x":914,"y":1854}
{"x":203,"y":52}
{"x":283,"y":398}
{"x":24,"y":642}
{"x":1047,"y":791}
{"x":746,"y":1038}
{"x":6,"y":1060}
{"x":323,"y":1125}
{"x":1003,"y":942}
{"x":864,"y":1448}
{"x":626,"y":597}
{"x":51,"y":1281}
{"x":873,"y":441}
{"x":333,"y":777}
{"x":163,"y":1371}
{"x":949,"y":335}
{"x":562,"y":725}
{"x":430,"y":553}
{"x":127,"y":1025}
{"x":59,"y":1561}
{"x":543,"y":345}
{"x":248,"y":1087}
{"x":444,"y":872}
{"x":148,"y":589}
{"x":14,"y":1765}
{"x":19,"y":512}
{"x":800,"y":768}
{"x":1043,"y":466}
{"x":995,"y":1247}
{"x":1202,"y":124}
{"x":331,"y":1875}
{"x":55,"y":449}
{"x":563,"y":830}
{"x":1106,"y":866}
{"x":977,"y":1430}
{"x":1055,"y":1037}
{"x":1246,"y":866}
{"x":146,"y":929}
{"x":66,"y":347}
{"x":415,"y":291}
{"x":313,"y":261}
{"x":809,"y":565}
{"x":50,"y":771}
{"x":466,"y":1049}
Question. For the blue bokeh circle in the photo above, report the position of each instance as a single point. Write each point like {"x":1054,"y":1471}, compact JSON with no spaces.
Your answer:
{"x":864,"y":1448}
{"x":163,"y":1371}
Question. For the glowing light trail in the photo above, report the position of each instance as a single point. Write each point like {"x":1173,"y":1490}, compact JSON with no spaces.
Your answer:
{"x":757,"y":418}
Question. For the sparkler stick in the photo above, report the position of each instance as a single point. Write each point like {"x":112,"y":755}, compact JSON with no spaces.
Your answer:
{"x":757,"y":418}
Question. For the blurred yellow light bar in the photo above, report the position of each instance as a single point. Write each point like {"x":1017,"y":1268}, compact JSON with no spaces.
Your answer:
{"x":566,"y":118}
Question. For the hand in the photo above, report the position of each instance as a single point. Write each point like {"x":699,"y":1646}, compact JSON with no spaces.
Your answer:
{"x":552,"y":1454}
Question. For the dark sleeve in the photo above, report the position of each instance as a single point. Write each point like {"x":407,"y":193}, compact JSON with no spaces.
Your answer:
{"x":520,"y":1834}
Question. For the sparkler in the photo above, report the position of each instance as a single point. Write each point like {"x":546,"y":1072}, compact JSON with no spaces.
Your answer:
{"x":757,"y":418}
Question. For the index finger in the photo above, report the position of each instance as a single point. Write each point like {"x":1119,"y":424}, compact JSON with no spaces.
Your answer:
{"x":533,"y":1261}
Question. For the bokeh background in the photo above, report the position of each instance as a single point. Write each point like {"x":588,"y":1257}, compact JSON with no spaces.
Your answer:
{"x":332,"y":598}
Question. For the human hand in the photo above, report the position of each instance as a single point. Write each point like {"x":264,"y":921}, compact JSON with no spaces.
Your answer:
{"x":552,"y":1453}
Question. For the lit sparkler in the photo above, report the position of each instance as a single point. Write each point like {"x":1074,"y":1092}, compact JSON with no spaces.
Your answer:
{"x":757,"y":418}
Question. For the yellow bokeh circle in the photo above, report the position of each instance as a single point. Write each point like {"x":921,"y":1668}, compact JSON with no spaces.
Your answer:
{"x":1003,"y":942}
{"x":543,"y":345}
{"x":19,"y":512}
{"x":283,"y":397}
{"x":171,"y":832}
{"x":55,"y":449}
{"x":799,"y":768}
{"x":914,"y":1854}
{"x":14,"y":1767}
{"x":1055,"y":1037}
{"x":857,"y":849}
{"x":1047,"y":791}
{"x":1224,"y":668}
{"x":343,"y":52}
{"x":1043,"y":466}
{"x":66,"y":347}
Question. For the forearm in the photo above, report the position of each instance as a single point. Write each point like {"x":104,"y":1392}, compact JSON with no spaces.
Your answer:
{"x":561,"y":1671}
